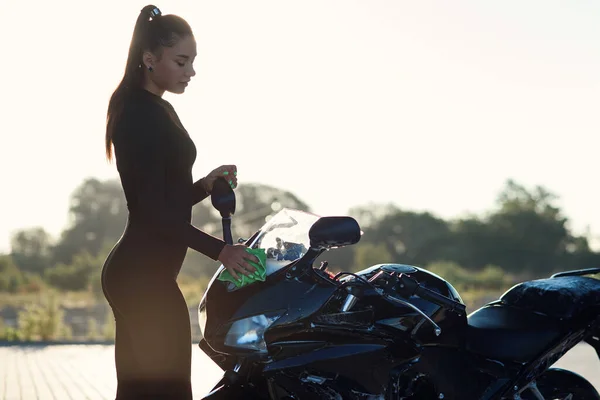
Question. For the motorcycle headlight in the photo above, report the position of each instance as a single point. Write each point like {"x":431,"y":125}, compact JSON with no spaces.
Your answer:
{"x":249,"y":333}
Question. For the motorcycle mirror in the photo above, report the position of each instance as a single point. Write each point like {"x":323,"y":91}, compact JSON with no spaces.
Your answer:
{"x":223,"y":198}
{"x":331,"y":232}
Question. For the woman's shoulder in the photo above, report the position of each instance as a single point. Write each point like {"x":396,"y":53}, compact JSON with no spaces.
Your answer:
{"x":139,"y":103}
{"x":139,"y":120}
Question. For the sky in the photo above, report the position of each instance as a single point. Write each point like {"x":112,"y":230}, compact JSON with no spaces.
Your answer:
{"x":430,"y":105}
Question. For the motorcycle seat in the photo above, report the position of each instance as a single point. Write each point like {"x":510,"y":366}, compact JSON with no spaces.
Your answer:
{"x":509,"y":334}
{"x":561,"y":297}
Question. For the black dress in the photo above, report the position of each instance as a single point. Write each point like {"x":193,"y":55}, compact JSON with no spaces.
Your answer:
{"x":154,"y":156}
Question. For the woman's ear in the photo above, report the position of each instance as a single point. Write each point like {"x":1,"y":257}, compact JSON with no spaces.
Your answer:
{"x":149,"y":60}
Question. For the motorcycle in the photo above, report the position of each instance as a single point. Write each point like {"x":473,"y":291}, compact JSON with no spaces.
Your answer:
{"x":390,"y":331}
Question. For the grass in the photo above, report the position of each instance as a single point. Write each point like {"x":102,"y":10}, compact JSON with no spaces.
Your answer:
{"x":67,"y":299}
{"x":41,"y":314}
{"x":192,"y":289}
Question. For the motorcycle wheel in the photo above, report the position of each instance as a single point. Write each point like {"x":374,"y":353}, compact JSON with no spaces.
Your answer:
{"x":562,"y":384}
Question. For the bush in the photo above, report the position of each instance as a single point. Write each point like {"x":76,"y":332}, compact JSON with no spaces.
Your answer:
{"x":9,"y":334}
{"x":75,"y":276}
{"x":108,"y":332}
{"x":13,"y":280}
{"x":93,"y":332}
{"x":32,"y":283}
{"x":368,"y":254}
{"x":43,"y":321}
{"x":11,"y":277}
{"x":488,"y":278}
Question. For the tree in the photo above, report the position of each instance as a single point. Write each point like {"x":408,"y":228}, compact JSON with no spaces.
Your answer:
{"x":472,"y":243}
{"x":370,"y":215}
{"x":97,"y":214}
{"x":528,"y":230}
{"x":255,"y":202}
{"x":31,"y":249}
{"x":408,"y":237}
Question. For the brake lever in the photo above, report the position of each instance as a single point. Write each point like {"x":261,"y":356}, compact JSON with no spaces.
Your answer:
{"x":387,"y":282}
{"x":408,"y":286}
{"x":436,"y":328}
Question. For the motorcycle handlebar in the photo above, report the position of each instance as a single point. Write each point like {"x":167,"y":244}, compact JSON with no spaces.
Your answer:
{"x":440,"y":299}
{"x":411,"y":286}
{"x":227,"y":236}
{"x":406,"y":286}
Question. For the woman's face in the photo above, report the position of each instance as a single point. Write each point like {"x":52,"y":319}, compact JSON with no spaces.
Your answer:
{"x":174,"y":69}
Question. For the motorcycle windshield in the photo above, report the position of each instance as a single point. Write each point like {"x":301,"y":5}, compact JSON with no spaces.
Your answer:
{"x":284,"y":237}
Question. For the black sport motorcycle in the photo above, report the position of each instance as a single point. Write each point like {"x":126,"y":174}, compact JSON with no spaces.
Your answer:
{"x":391,"y":331}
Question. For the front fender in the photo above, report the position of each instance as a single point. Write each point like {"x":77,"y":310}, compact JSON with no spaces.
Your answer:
{"x":230,"y":388}
{"x":557,"y":381}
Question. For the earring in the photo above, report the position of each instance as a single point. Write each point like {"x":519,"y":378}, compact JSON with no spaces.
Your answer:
{"x":150,"y":68}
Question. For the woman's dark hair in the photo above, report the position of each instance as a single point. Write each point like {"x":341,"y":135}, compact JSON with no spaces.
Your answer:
{"x":152,"y":31}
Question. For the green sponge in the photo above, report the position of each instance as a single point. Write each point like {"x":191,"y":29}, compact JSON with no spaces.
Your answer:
{"x":259,"y":275}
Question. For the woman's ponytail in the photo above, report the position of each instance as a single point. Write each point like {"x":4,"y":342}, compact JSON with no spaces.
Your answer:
{"x":134,"y":74}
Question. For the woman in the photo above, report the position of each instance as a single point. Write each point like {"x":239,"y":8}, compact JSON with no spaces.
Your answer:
{"x":154,"y":156}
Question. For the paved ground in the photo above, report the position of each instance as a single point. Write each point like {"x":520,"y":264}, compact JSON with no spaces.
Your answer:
{"x":76,"y":372}
{"x":80,"y":372}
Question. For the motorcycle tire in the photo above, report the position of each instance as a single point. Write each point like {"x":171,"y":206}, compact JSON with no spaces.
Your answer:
{"x":562,"y":384}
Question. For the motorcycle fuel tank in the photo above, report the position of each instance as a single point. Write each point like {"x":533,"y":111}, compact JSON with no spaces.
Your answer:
{"x":426,"y":278}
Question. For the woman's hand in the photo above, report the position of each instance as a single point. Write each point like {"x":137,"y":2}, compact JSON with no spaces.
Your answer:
{"x":229,"y":172}
{"x":235,"y":259}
